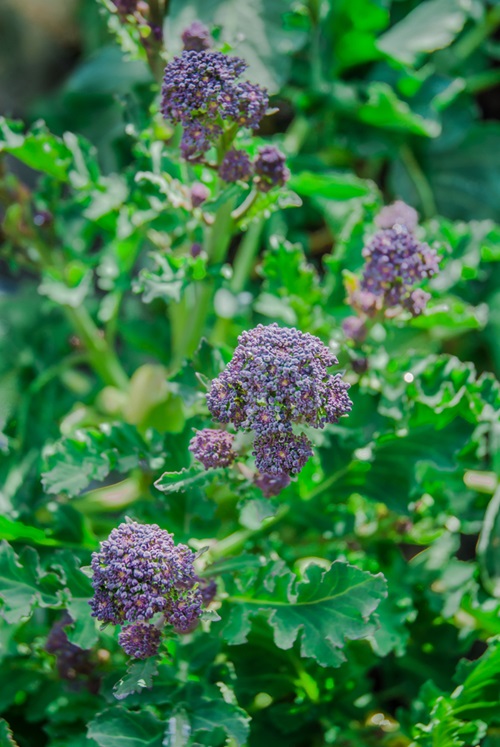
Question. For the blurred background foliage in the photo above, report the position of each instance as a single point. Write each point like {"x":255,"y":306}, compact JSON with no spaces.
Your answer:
{"x":377,"y":100}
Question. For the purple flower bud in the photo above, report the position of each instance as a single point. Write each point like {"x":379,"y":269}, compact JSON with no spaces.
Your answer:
{"x":196,"y":37}
{"x":270,"y":169}
{"x":399,"y":213}
{"x":200,"y":89}
{"x":278,"y":376}
{"x":196,"y":250}
{"x":281,"y":452}
{"x":354,"y":328}
{"x":235,"y":166}
{"x":360,"y":365}
{"x":395,"y":261}
{"x":199,"y":194}
{"x":213,"y":448}
{"x":140,"y":641}
{"x":272,"y":485}
{"x":138,"y":572}
{"x":417,"y":301}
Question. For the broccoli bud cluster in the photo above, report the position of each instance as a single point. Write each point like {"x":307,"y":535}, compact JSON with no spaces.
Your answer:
{"x":196,"y":37}
{"x":276,"y":379}
{"x":138,"y":572}
{"x":213,"y":448}
{"x":399,"y":213}
{"x":395,"y":261}
{"x":201,"y":90}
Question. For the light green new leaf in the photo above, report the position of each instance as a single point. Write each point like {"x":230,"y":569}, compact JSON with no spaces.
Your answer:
{"x":116,"y":727}
{"x":384,"y":109}
{"x":332,"y":185}
{"x":432,"y":25}
{"x":177,"y":482}
{"x":38,"y":148}
{"x":325,"y":609}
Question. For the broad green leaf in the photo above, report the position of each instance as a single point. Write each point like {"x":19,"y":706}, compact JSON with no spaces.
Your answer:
{"x":323,"y":610}
{"x":90,"y":454}
{"x":15,"y":530}
{"x":384,"y":109}
{"x":139,"y":676}
{"x":6,"y":736}
{"x":78,"y":591}
{"x":432,"y":25}
{"x":176,"y":482}
{"x":116,"y":727}
{"x":38,"y":148}
{"x":23,"y":584}
{"x":451,"y":316}
{"x":210,"y":716}
{"x":331,"y":185}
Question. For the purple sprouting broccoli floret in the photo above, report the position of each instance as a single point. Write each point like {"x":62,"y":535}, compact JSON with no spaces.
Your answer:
{"x":399,"y":213}
{"x":416,"y":301}
{"x":199,"y":193}
{"x":196,"y":37}
{"x":281,"y":452}
{"x":270,"y":169}
{"x":272,"y":485}
{"x":140,"y":640}
{"x":213,"y":448}
{"x":354,"y":328}
{"x":196,"y":250}
{"x":235,"y":166}
{"x":201,"y":89}
{"x":138,"y":572}
{"x":278,"y":376}
{"x":395,"y":261}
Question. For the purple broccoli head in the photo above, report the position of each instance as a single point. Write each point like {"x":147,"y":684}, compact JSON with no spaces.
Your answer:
{"x":201,"y":89}
{"x":140,"y":640}
{"x":213,"y":448}
{"x":399,"y":213}
{"x":270,"y":169}
{"x":395,"y":261}
{"x":196,"y":37}
{"x":278,"y":376}
{"x":235,"y":166}
{"x":138,"y":572}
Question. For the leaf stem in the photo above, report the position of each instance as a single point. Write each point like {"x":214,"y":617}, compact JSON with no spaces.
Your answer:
{"x":419,"y":180}
{"x":235,"y":542}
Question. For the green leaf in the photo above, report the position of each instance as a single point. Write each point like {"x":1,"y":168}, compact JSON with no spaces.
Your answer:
{"x":6,"y":736}
{"x":117,"y":726}
{"x":432,"y":25}
{"x":324,"y":610}
{"x":331,"y":185}
{"x":78,"y":592}
{"x":487,"y":547}
{"x":15,"y":530}
{"x":451,"y":316}
{"x":384,"y":109}
{"x":210,"y":716}
{"x":139,"y":676}
{"x":38,"y":148}
{"x":23,"y":584}
{"x":90,"y":454}
{"x":187,"y":478}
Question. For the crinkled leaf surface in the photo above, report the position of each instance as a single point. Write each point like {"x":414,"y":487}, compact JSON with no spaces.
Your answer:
{"x":324,"y":610}
{"x":139,"y":676}
{"x":116,"y":727}
{"x":23,"y":583}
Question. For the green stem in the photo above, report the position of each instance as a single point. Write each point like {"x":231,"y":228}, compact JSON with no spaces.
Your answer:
{"x":102,"y":358}
{"x":472,"y":40}
{"x":235,"y":542}
{"x":245,"y":206}
{"x":419,"y":180}
{"x":188,"y":322}
{"x":245,"y":256}
{"x":296,"y":134}
{"x":482,"y":81}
